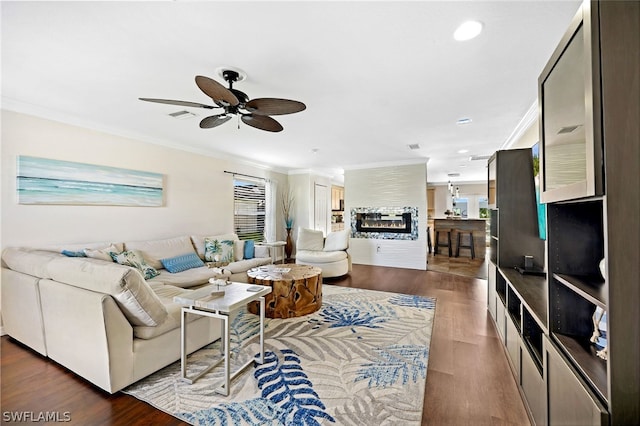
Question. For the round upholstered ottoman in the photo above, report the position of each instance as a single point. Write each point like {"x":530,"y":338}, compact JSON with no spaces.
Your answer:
{"x":296,"y":289}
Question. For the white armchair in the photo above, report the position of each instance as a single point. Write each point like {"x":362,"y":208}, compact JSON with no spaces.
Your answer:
{"x":328,"y":254}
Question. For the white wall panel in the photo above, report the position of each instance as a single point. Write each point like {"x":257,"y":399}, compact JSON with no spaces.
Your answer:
{"x":396,"y":186}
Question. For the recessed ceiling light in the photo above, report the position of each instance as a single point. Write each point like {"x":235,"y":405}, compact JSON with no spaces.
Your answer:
{"x":468,"y":30}
{"x":465,"y":120}
{"x":463,"y":151}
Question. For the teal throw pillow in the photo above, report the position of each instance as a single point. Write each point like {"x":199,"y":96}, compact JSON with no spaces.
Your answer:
{"x":249,"y":249}
{"x":218,"y":250}
{"x":182,"y":262}
{"x":70,"y":253}
{"x":134,"y":259}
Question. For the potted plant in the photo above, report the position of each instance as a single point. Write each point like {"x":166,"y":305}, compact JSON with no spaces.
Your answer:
{"x":287,"y":204}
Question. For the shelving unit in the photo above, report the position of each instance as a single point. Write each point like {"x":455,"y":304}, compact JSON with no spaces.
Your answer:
{"x":518,"y":303}
{"x":593,"y":215}
{"x":590,"y":184}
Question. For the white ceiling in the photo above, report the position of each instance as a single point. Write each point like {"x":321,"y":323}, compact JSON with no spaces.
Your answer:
{"x":375,"y":76}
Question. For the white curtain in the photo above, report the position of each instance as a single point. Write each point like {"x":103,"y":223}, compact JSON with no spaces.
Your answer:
{"x":270,"y":229}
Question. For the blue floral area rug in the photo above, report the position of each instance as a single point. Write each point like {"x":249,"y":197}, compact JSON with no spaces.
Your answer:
{"x":360,"y":360}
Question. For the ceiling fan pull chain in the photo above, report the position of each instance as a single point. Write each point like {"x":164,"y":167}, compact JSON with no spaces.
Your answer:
{"x":238,"y":121}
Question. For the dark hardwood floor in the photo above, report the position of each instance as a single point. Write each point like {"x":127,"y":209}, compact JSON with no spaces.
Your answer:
{"x":468,"y":377}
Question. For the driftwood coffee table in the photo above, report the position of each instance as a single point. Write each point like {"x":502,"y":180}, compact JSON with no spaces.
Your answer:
{"x":296,"y":289}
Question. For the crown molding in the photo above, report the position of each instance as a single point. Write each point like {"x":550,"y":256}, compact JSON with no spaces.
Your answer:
{"x":525,"y":123}
{"x":72,"y":120}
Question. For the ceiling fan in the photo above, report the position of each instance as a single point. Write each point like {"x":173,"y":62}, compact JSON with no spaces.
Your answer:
{"x":255,"y":112}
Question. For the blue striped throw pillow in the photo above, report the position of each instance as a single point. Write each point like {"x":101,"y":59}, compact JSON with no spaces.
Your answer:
{"x":182,"y":262}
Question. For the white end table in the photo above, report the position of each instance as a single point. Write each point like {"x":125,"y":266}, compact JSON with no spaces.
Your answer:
{"x":278,"y":247}
{"x":200,"y":302}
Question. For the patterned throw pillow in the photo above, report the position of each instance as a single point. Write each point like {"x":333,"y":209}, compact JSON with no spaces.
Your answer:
{"x":182,"y":262}
{"x":134,"y":259}
{"x":223,"y":249}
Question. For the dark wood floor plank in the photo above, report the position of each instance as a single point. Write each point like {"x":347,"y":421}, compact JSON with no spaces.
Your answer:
{"x":468,"y":377}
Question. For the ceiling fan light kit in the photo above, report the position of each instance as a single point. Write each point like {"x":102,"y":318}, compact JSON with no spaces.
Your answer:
{"x":255,"y":112}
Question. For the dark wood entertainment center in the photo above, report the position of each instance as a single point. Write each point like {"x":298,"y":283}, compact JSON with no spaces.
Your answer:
{"x":591,"y":188}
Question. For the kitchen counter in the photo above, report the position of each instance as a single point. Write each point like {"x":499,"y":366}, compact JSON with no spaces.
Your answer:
{"x":477,"y":226}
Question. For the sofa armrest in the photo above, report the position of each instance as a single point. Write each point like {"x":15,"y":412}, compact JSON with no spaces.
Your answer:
{"x":21,"y":313}
{"x":86,"y":332}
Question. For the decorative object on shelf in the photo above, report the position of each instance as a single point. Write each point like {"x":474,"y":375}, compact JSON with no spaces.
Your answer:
{"x":603,"y":268}
{"x":599,"y":336}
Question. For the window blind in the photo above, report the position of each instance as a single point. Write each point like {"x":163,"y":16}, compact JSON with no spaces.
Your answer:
{"x":249,"y":201}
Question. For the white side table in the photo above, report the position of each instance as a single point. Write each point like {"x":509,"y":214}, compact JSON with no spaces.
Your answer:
{"x":278,"y":248}
{"x":200,"y":302}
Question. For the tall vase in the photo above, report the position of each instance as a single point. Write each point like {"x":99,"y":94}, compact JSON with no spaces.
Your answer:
{"x":288,"y":248}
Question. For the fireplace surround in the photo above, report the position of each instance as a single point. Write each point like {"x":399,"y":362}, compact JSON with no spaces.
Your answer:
{"x":388,"y":223}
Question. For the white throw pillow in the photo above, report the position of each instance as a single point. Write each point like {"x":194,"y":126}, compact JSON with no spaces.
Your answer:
{"x":238,"y":249}
{"x":309,"y":239}
{"x":102,"y":254}
{"x":338,"y":240}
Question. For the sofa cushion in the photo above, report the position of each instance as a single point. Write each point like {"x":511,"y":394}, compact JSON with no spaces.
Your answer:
{"x":338,"y":240}
{"x":246,"y":264}
{"x":182,"y":262}
{"x":314,"y":256}
{"x":166,"y":293}
{"x":134,"y":259}
{"x":188,"y":278}
{"x":198,"y":241}
{"x":309,"y":239}
{"x":81,"y":246}
{"x":218,"y":250}
{"x":29,"y":261}
{"x":154,"y":250}
{"x":133,"y":295}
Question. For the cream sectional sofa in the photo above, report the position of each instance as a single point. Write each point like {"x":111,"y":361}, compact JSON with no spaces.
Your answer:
{"x":101,"y":319}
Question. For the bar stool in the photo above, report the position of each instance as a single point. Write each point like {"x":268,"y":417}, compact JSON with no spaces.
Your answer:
{"x":440,"y":244}
{"x":469,"y":246}
{"x":429,"y":246}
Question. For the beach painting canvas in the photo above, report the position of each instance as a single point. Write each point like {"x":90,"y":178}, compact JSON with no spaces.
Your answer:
{"x":47,"y":181}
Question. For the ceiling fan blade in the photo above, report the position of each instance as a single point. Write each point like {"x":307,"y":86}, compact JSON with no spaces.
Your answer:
{"x":181,"y":103}
{"x":214,"y":121}
{"x":274,"y":106}
{"x":216,"y":91}
{"x":262,"y":122}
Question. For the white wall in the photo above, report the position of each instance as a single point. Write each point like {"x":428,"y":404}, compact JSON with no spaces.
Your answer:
{"x":397,"y":186}
{"x":302,"y":186}
{"x":198,"y":195}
